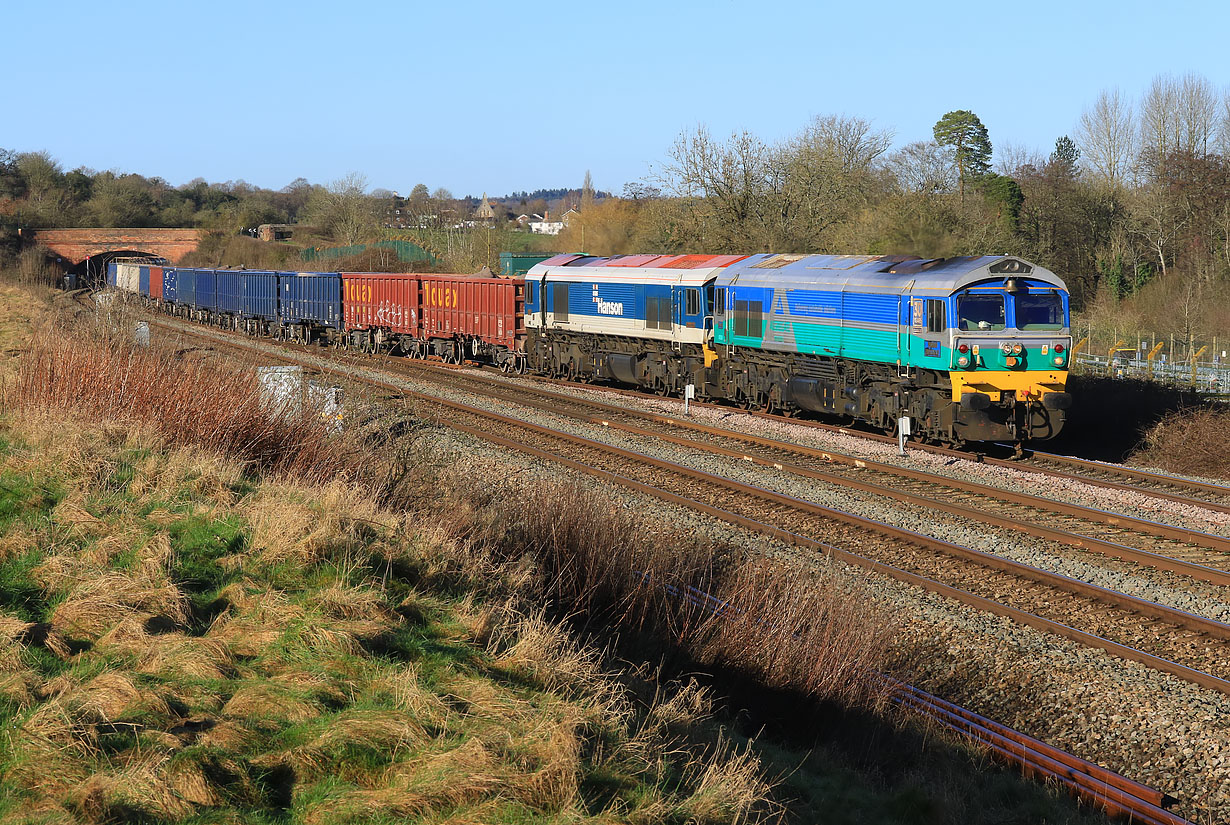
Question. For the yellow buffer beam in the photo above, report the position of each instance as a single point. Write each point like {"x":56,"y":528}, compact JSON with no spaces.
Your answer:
{"x":1031,"y":384}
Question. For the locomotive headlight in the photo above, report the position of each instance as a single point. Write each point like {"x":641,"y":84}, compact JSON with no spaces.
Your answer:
{"x":1006,"y":348}
{"x":1059,"y":361}
{"x":1011,"y":361}
{"x":1017,"y":349}
{"x":963,"y":361}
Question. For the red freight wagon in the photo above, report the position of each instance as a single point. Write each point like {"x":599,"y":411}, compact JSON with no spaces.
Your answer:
{"x":378,"y":307}
{"x":472,"y":307}
{"x":155,"y":283}
{"x":483,"y":317}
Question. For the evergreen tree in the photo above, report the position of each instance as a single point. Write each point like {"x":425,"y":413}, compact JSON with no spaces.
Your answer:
{"x":1065,"y":156}
{"x":964,"y":132}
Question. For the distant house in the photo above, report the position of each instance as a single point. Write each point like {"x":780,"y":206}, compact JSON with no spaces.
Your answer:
{"x":568,"y":216}
{"x":541,"y":225}
{"x":522,"y":220}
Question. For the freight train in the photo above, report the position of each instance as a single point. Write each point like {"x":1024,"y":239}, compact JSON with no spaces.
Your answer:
{"x":968,"y":349}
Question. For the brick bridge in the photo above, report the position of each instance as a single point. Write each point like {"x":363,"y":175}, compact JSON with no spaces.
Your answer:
{"x":75,"y":245}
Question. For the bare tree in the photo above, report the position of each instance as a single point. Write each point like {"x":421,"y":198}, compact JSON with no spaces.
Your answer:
{"x":1107,"y":138}
{"x":587,"y":193}
{"x":345,"y":210}
{"x":924,"y":168}
{"x":1197,"y":116}
{"x":1014,"y":159}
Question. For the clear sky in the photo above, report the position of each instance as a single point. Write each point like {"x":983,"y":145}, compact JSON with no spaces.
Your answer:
{"x":483,"y":96}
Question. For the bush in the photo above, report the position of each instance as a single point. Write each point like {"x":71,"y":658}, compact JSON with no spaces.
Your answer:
{"x":1189,"y":442}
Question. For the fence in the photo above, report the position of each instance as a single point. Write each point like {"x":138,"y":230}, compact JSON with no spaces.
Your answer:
{"x":1189,"y":363}
{"x":406,"y":252}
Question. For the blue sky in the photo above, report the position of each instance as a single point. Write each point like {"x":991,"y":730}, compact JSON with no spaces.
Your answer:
{"x":482,"y":96}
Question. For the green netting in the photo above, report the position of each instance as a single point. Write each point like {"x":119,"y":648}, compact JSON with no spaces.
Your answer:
{"x":406,"y":251}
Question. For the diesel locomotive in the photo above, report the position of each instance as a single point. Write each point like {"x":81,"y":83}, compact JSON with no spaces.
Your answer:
{"x":970,"y":349}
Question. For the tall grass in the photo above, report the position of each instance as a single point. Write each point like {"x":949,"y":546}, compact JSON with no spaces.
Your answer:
{"x":783,"y":625}
{"x":187,"y":400}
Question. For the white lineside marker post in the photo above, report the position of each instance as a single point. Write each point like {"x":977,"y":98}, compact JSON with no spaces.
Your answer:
{"x":903,"y":432}
{"x":689,"y":392}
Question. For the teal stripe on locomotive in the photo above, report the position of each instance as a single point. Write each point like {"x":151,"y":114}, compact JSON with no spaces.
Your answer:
{"x":850,"y":325}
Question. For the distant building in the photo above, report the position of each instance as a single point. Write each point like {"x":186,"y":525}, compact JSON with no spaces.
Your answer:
{"x":275,"y":231}
{"x":543,"y":225}
{"x":484,"y":212}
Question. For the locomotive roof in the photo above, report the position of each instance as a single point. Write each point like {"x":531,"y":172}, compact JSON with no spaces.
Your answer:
{"x":876,"y":272}
{"x":689,"y":270}
{"x":882,"y":273}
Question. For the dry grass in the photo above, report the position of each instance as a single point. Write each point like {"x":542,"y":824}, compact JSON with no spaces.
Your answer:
{"x":1190,"y":442}
{"x":202,"y":403}
{"x":786,"y":628}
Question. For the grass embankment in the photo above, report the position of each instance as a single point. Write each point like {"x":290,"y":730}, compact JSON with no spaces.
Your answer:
{"x":198,"y":625}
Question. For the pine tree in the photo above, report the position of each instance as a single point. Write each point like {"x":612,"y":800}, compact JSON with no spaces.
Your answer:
{"x":964,"y":132}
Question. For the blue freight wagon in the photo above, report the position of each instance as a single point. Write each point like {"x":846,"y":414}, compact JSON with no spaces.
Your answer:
{"x":205,"y":294}
{"x":310,"y":305}
{"x":170,"y":284}
{"x":185,"y":290}
{"x":230,"y":293}
{"x":260,"y":295}
{"x":143,"y":281}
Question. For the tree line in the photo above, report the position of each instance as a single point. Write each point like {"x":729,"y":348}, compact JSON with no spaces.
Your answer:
{"x":1132,"y":208}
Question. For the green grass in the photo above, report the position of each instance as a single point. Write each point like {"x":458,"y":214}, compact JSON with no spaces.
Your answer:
{"x":289,"y":707}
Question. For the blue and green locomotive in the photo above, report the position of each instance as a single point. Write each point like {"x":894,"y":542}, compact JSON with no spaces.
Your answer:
{"x":969,"y":349}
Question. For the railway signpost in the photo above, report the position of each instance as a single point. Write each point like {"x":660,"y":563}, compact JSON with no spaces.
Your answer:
{"x":903,"y":432}
{"x":689,"y":392}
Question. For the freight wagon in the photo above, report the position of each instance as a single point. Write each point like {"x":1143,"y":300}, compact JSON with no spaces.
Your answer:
{"x":310,"y":306}
{"x":453,"y":317}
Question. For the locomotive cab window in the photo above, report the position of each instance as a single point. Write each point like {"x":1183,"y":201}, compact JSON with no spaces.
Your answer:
{"x":936,"y":320}
{"x":718,"y":301}
{"x":529,"y":292}
{"x":985,"y":312}
{"x":693,"y":299}
{"x":1039,"y":310}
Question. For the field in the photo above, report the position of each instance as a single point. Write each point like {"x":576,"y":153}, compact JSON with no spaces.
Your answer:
{"x":198,"y":625}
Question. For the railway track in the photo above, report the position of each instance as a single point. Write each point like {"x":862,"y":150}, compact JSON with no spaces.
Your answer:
{"x":1165,"y":639}
{"x":1202,"y":556}
{"x":1096,"y":473}
{"x":1172,"y":641}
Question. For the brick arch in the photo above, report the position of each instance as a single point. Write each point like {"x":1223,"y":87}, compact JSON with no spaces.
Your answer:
{"x":75,"y":245}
